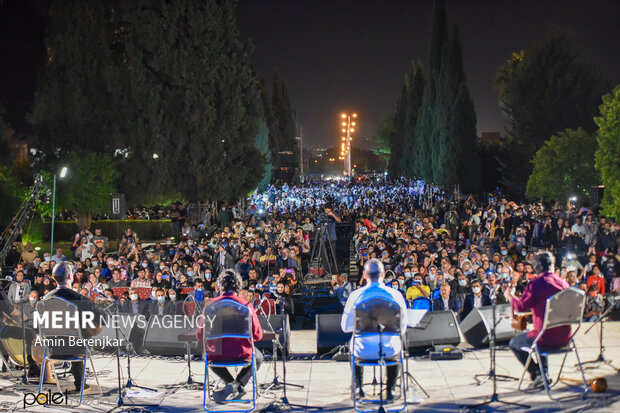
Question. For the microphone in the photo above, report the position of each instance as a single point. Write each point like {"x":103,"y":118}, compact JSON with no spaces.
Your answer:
{"x":99,"y":292}
{"x":380,"y":327}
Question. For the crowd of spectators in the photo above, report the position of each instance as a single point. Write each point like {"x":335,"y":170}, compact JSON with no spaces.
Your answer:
{"x":457,"y":251}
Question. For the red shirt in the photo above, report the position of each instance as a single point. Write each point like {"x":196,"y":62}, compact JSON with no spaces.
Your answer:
{"x":535,"y":298}
{"x":231,"y":348}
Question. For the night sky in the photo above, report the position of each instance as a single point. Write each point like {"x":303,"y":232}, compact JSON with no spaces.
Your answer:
{"x":352,"y":55}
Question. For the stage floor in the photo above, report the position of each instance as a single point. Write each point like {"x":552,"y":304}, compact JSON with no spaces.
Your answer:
{"x":450,"y":383}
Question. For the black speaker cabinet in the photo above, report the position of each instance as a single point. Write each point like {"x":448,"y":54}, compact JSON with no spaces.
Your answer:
{"x":130,"y":326}
{"x":328,"y":333}
{"x":275,"y":321}
{"x":436,"y":327}
{"x":477,"y":325}
{"x":162,"y":337}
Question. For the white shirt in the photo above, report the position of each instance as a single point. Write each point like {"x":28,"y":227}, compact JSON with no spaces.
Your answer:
{"x":446,"y":304}
{"x":367,"y":348}
{"x":477,"y":301}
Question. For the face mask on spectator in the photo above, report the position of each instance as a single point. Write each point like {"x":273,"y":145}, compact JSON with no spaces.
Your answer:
{"x":154,"y":294}
{"x":208,"y":275}
{"x":32,"y":300}
{"x":173,"y":297}
{"x":190,"y":273}
{"x":431,"y":277}
{"x":476,"y":290}
{"x":144,"y":265}
{"x":407,"y":274}
{"x":134,"y":297}
{"x":161,"y":299}
{"x":462,"y":283}
{"x":504,"y":252}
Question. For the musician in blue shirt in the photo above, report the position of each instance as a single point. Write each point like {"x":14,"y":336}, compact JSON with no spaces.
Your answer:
{"x":367,"y":348}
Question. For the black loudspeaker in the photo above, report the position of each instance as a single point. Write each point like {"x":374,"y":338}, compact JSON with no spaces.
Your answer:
{"x":477,"y":325}
{"x":275,"y":321}
{"x":162,"y":336}
{"x":436,"y":327}
{"x":329,"y":334}
{"x":117,"y":206}
{"x":131,"y":326}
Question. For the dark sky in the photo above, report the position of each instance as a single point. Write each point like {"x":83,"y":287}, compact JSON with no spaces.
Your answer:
{"x":352,"y":55}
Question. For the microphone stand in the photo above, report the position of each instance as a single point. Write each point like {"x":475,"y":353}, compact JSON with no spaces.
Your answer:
{"x":600,"y":358}
{"x":21,"y":312}
{"x":494,"y":397}
{"x":381,"y":362}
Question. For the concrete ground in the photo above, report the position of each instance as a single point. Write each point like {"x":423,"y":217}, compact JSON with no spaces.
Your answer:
{"x":451,"y":384}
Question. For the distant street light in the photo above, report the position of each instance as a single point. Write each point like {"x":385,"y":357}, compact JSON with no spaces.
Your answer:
{"x":155,"y":156}
{"x":63,"y":173}
{"x":345,"y":153}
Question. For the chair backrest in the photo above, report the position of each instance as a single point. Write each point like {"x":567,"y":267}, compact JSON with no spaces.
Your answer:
{"x":266,"y":308}
{"x":372,"y":313}
{"x":191,"y":306}
{"x":57,"y":305}
{"x":436,"y":293}
{"x":144,"y":293}
{"x":421,"y":303}
{"x":227,"y":319}
{"x":564,"y":308}
{"x":118,"y":292}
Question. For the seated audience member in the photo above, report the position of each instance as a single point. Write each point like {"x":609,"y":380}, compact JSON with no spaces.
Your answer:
{"x":475,"y":299}
{"x":595,"y":304}
{"x":134,"y":305}
{"x":160,"y":306}
{"x":446,"y":301}
{"x":418,"y":289}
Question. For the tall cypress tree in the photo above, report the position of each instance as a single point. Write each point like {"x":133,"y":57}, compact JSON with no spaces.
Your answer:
{"x":415,"y":94}
{"x":397,"y":136}
{"x":427,"y":128}
{"x":456,"y":161}
{"x":261,"y":142}
{"x":76,"y":97}
{"x":283,"y":114}
{"x":199,"y":96}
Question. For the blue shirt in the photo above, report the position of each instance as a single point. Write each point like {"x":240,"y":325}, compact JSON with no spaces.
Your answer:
{"x":367,"y":348}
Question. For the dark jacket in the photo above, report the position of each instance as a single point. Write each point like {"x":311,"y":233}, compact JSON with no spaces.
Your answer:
{"x":169,"y":308}
{"x":143,"y":308}
{"x":468,"y":305}
{"x":453,"y":302}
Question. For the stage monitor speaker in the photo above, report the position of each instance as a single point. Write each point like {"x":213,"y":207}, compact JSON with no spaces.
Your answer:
{"x":162,"y":336}
{"x":436,"y":327}
{"x":275,"y":322}
{"x":131,"y":326}
{"x":477,"y":325}
{"x":329,"y":334}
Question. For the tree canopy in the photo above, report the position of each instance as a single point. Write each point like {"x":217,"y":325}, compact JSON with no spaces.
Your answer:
{"x":543,"y":90}
{"x":564,"y":167}
{"x":608,"y":152}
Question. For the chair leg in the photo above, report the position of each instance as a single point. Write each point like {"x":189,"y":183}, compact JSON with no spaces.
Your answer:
{"x":92,"y":365}
{"x":206,"y":389}
{"x":403,"y":381}
{"x":527,"y":364}
{"x":543,"y":375}
{"x":583,"y":376}
{"x":42,"y":375}
{"x":560,"y":372}
{"x":253,"y":382}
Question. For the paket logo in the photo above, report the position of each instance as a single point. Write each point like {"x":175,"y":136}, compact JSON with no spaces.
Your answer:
{"x":48,"y":398}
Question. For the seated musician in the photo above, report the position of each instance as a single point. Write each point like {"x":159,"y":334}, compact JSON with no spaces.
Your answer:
{"x":534,"y":299}
{"x":230,"y":283}
{"x":367,"y":348}
{"x":62,"y":273}
{"x":8,"y":329}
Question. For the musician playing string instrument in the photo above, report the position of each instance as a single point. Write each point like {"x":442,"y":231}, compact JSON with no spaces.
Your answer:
{"x":8,"y":329}
{"x":62,"y":274}
{"x":534,"y":299}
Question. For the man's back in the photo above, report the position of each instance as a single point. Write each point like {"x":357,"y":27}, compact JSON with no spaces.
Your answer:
{"x":368,"y":347}
{"x":534,"y":298}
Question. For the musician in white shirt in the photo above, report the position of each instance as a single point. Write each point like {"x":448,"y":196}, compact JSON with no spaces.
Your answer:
{"x":367,"y":348}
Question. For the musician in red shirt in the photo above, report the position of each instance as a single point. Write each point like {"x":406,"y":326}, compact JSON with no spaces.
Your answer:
{"x":232,"y":349}
{"x":534,"y":298}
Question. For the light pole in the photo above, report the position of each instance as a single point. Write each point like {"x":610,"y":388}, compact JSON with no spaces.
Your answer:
{"x":345,"y":146}
{"x":63,"y":173}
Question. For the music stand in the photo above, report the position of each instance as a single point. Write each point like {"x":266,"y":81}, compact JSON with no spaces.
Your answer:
{"x":601,"y":349}
{"x":492,"y":375}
